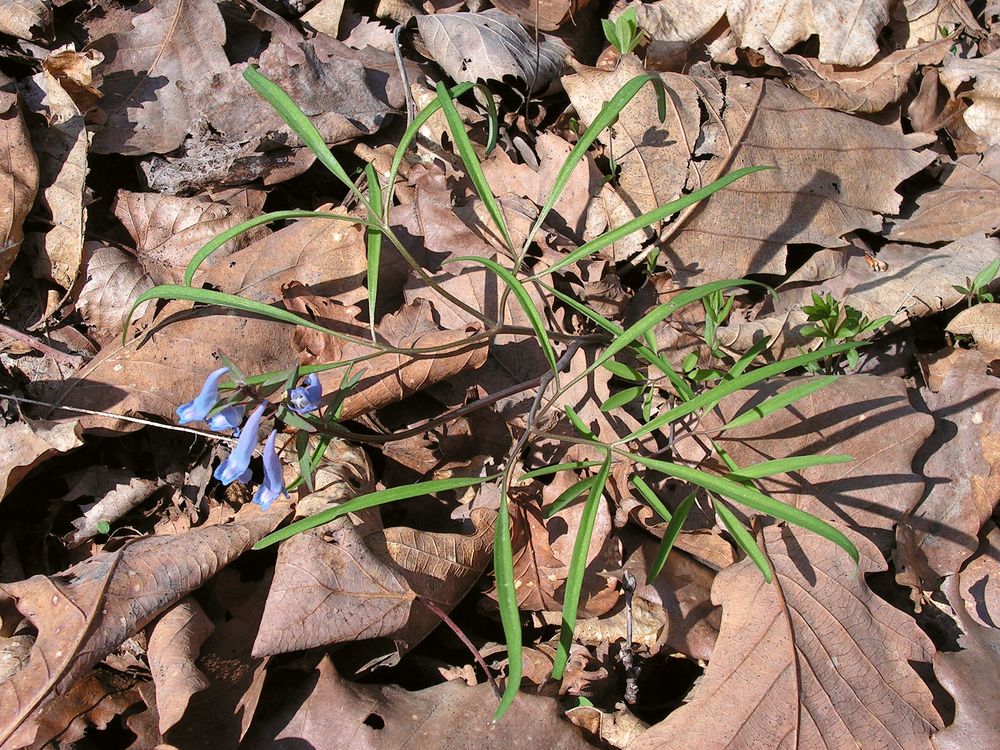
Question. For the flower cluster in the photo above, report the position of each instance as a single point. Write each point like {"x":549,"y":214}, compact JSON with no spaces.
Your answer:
{"x":305,"y":398}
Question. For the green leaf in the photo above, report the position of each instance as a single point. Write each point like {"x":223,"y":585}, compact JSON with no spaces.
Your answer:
{"x":670,"y":536}
{"x":373,"y":240}
{"x":650,"y":497}
{"x":568,"y":496}
{"x":472,"y":166}
{"x":623,"y":371}
{"x":650,"y":217}
{"x":555,"y":468}
{"x":521,"y":294}
{"x":577,"y":567}
{"x":750,"y":497}
{"x":503,"y":568}
{"x":221,"y":239}
{"x":622,"y":397}
{"x":743,"y":538}
{"x":779,"y":401}
{"x":786,"y":465}
{"x":370,"y":500}
{"x":303,"y":127}
{"x":987,"y":275}
{"x":712,"y":397}
{"x":578,"y":424}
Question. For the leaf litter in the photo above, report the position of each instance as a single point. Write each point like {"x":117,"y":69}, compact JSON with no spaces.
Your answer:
{"x":131,"y":604}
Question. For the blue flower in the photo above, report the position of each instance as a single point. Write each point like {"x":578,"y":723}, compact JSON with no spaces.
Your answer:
{"x":199,"y":408}
{"x":274,"y":480}
{"x":237,"y":465}
{"x":306,"y":397}
{"x":227,"y":419}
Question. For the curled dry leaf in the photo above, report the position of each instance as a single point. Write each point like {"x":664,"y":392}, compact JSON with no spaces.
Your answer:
{"x":19,"y":170}
{"x":813,"y":659}
{"x":979,"y":580}
{"x":22,"y":17}
{"x":673,"y":26}
{"x":174,"y":642}
{"x":548,"y":15}
{"x":88,"y":610}
{"x":332,"y":585}
{"x":116,"y":492}
{"x":25,"y":445}
{"x":114,"y":280}
{"x":490,"y":46}
{"x":983,"y":114}
{"x":168,"y":230}
{"x":148,"y":56}
{"x":320,"y":706}
{"x":615,"y":728}
{"x":982,"y":323}
{"x":967,"y":202}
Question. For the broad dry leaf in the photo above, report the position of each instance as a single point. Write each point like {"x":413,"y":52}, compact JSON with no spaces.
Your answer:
{"x":673,"y":26}
{"x":114,"y":280}
{"x":848,"y":30}
{"x":979,"y":580}
{"x":972,"y":676}
{"x":168,"y":230}
{"x":813,"y":659}
{"x":19,"y":171}
{"x":983,"y":114}
{"x":869,"y":89}
{"x":332,"y":585}
{"x":863,"y":416}
{"x":174,"y":642}
{"x":490,"y":46}
{"x":88,"y":610}
{"x":20,"y":17}
{"x":836,"y":173}
{"x":982,"y":323}
{"x":323,"y":711}
{"x":967,"y":202}
{"x":24,"y":445}
{"x":115,"y":492}
{"x":147,"y":58}
{"x":547,"y":15}
{"x":63,"y":164}
{"x":962,"y":470}
{"x":615,"y":728}
{"x":917,"y":21}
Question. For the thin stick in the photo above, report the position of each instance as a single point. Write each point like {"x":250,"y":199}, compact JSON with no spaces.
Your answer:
{"x":464,"y":639}
{"x":41,"y":346}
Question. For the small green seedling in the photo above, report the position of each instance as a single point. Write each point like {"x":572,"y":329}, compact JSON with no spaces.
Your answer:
{"x":624,"y":33}
{"x":835,"y":328}
{"x":975,"y":289}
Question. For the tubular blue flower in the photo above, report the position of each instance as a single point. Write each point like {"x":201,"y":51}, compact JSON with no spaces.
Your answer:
{"x":306,"y":397}
{"x":237,"y":466}
{"x":199,"y":408}
{"x":274,"y":480}
{"x":227,"y":419}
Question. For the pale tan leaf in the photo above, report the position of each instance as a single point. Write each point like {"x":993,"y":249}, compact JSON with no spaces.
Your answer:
{"x":674,"y":25}
{"x":848,"y":30}
{"x":114,"y":280}
{"x":813,"y":659}
{"x":982,"y":323}
{"x":148,"y":57}
{"x":917,"y":21}
{"x":325,"y":17}
{"x":983,"y":115}
{"x":979,"y":580}
{"x":967,"y":202}
{"x":19,"y":170}
{"x":116,"y":492}
{"x":23,"y":446}
{"x":19,"y":17}
{"x":85,"y":612}
{"x":490,"y":46}
{"x":548,"y":15}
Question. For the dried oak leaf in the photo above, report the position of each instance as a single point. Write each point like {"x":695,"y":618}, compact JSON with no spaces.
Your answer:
{"x":979,"y":580}
{"x":972,"y":676}
{"x":491,"y":46}
{"x":115,"y":492}
{"x":114,"y":280}
{"x":24,"y":445}
{"x":323,"y":711}
{"x":982,"y":323}
{"x":333,"y":585}
{"x":867,"y":417}
{"x":547,"y":15}
{"x":19,"y":170}
{"x":673,"y":26}
{"x":813,"y":659}
{"x":168,"y":230}
{"x":87,"y":611}
{"x":822,"y":189}
{"x":962,"y":470}
{"x":19,"y":17}
{"x":155,"y":48}
{"x":968,"y":202}
{"x":983,"y":114}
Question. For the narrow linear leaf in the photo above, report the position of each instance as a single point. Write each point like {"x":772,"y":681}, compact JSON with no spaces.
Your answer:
{"x":503,"y":567}
{"x":568,"y":496}
{"x":785,"y":465}
{"x":623,"y":371}
{"x":370,"y":500}
{"x":750,"y":497}
{"x":577,"y":567}
{"x":373,"y":239}
{"x":554,"y":468}
{"x":578,"y":424}
{"x":622,"y":397}
{"x":744,"y":539}
{"x":779,"y":401}
{"x":472,"y":166}
{"x":650,"y":497}
{"x":670,"y":536}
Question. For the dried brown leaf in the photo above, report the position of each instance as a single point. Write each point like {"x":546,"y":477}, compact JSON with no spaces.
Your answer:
{"x":19,"y":17}
{"x":19,"y":170}
{"x":813,"y":659}
{"x":114,"y":280}
{"x":548,"y":15}
{"x":25,"y":445}
{"x":982,"y":323}
{"x":979,"y":580}
{"x":116,"y":492}
{"x":983,"y":114}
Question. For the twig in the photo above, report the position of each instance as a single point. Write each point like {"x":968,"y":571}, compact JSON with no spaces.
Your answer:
{"x":464,"y":639}
{"x":631,"y":685}
{"x":41,"y":347}
{"x":400,"y":63}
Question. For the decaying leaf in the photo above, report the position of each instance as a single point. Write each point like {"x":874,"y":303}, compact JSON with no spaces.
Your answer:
{"x":23,"y":446}
{"x":979,"y":580}
{"x":115,"y":493}
{"x":490,"y":46}
{"x":981,"y":323}
{"x":813,"y":659}
{"x":673,"y":26}
{"x":88,"y":610}
{"x":114,"y":280}
{"x":19,"y":170}
{"x":21,"y":17}
{"x":548,"y":15}
{"x":983,"y":114}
